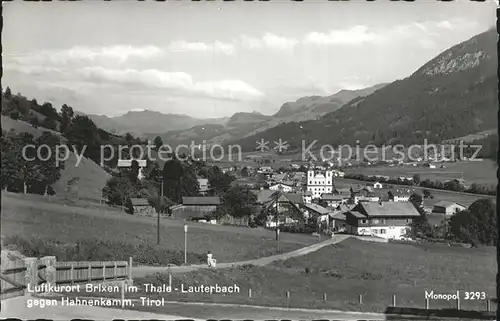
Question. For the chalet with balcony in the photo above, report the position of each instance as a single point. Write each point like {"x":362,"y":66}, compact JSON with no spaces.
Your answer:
{"x":390,"y":220}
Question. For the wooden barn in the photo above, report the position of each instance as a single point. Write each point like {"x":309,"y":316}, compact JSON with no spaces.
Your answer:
{"x":195,"y":207}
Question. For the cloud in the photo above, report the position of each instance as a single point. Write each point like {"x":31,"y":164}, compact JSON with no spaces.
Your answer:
{"x":118,"y":53}
{"x":445,"y":25}
{"x":217,"y":46}
{"x":353,"y":36}
{"x":270,"y":41}
{"x":31,"y":70}
{"x":179,"y":83}
{"x":361,"y":34}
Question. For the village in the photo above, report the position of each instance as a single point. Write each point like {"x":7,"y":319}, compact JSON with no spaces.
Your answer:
{"x":316,"y":199}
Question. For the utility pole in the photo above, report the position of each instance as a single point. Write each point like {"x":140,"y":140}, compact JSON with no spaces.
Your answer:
{"x":160,"y":201}
{"x":185,"y":243}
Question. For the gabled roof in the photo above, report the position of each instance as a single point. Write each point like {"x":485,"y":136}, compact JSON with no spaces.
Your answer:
{"x":139,"y":201}
{"x":331,"y":197}
{"x":388,"y":209}
{"x":341,"y":216}
{"x":382,"y":194}
{"x":356,"y":214}
{"x":295,"y":198}
{"x":343,"y":191}
{"x":279,"y":177}
{"x":446,"y":204}
{"x":263,"y":195}
{"x":317,"y":208}
{"x":200,"y":200}
{"x":282,"y":184}
{"x":345,"y":207}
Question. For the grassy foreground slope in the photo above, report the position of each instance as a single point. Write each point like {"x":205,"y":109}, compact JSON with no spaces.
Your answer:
{"x":31,"y":216}
{"x":348,"y":269}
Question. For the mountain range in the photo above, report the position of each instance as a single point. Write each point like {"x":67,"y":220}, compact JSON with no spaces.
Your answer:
{"x":140,"y":122}
{"x":452,"y":95}
{"x":242,"y":124}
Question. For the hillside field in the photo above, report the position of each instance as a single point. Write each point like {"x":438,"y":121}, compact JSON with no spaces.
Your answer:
{"x":483,"y":172}
{"x":91,"y":177}
{"x":438,"y":195}
{"x":28,"y":216}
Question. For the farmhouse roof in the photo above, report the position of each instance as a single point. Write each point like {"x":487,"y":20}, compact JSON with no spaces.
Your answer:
{"x":317,"y":208}
{"x":136,"y":201}
{"x":401,"y":209}
{"x":200,"y":200}
{"x":345,"y":207}
{"x":295,"y":198}
{"x":382,"y":194}
{"x":357,"y":214}
{"x":331,"y":197}
{"x":263,"y":195}
{"x":446,"y":204}
{"x":343,"y":191}
{"x":279,"y":177}
{"x":341,"y":216}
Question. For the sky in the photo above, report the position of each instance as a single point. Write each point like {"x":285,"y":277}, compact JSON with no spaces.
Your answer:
{"x":212,"y":59}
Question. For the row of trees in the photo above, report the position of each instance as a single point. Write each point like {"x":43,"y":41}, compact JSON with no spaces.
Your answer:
{"x":29,"y":173}
{"x":79,"y":130}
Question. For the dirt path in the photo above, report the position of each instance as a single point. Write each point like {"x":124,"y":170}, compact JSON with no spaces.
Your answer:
{"x":141,"y":271}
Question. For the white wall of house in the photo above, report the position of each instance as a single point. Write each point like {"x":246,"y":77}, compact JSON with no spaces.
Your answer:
{"x":449,"y":210}
{"x":285,"y":188}
{"x":401,"y":198}
{"x":453,"y":209}
{"x":386,"y":232}
{"x":307,"y":199}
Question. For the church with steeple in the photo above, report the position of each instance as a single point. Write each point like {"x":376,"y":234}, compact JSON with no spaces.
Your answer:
{"x":319,"y":181}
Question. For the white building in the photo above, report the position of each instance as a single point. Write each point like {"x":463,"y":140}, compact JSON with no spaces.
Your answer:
{"x":285,"y":188}
{"x":319,"y":182}
{"x":390,"y":220}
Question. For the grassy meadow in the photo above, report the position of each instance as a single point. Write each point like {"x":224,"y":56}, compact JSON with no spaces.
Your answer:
{"x":377,"y":271}
{"x":34,"y":219}
{"x":483,"y":172}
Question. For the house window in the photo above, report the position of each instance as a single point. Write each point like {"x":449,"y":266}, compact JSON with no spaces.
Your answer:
{"x":375,"y":221}
{"x":382,"y":231}
{"x":363,"y":221}
{"x":382,"y":221}
{"x":407,"y":220}
{"x":375,"y":231}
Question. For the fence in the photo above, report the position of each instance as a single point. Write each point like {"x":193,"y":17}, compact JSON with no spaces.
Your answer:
{"x":16,"y":277}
